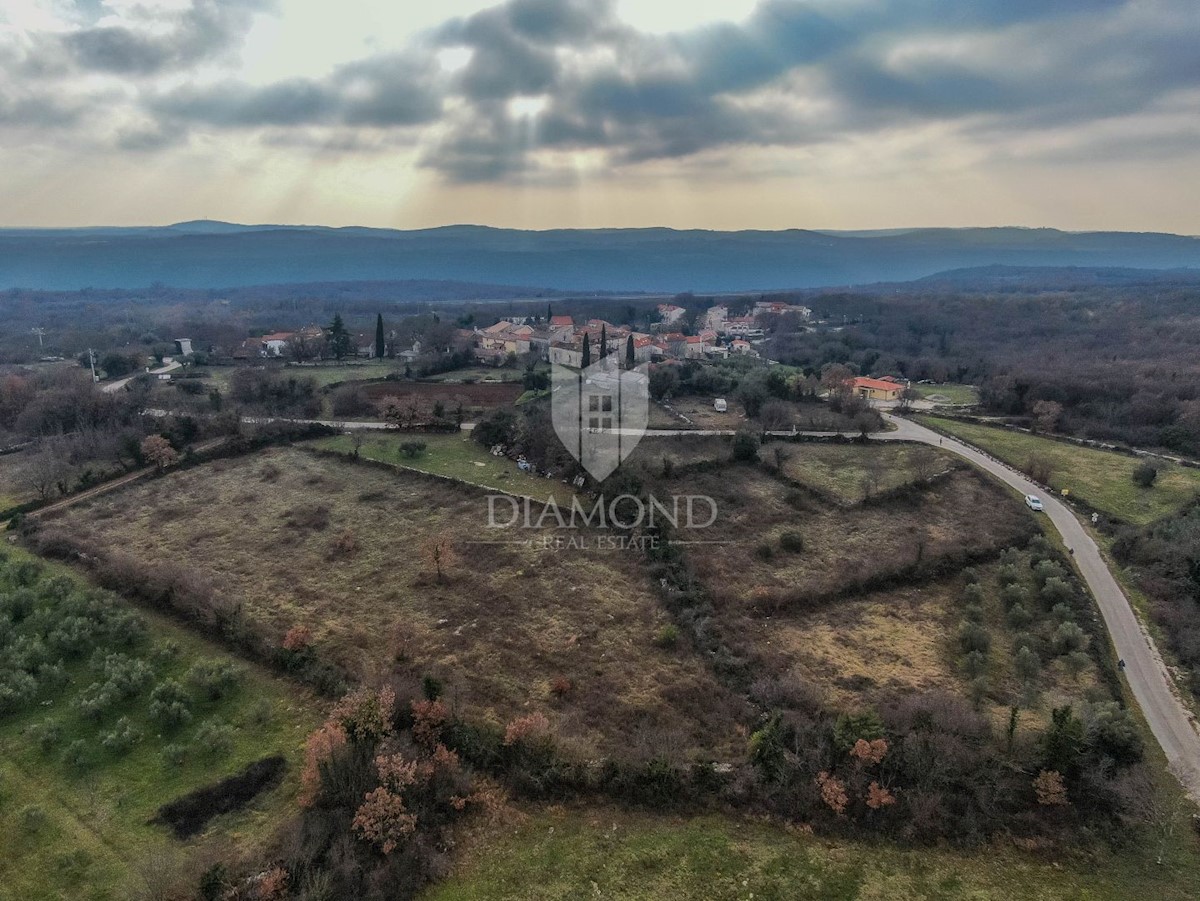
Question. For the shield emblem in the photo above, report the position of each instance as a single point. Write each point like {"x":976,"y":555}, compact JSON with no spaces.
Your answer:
{"x":600,"y":412}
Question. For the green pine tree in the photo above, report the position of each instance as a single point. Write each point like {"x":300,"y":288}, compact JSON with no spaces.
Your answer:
{"x":338,"y":337}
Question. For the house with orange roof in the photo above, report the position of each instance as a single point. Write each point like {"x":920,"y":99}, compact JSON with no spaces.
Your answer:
{"x":875,"y":389}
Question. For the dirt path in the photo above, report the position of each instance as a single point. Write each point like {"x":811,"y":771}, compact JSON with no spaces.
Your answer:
{"x":113,"y":484}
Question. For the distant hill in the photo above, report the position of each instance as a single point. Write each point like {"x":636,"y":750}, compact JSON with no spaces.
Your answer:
{"x":1042,"y":278}
{"x":206,"y":254}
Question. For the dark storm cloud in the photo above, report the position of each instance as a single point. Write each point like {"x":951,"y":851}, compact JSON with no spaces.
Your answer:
{"x":794,"y":73}
{"x":205,"y":30}
{"x":652,"y":97}
{"x":383,"y":91}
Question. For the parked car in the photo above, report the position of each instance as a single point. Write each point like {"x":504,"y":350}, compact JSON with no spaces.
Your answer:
{"x":1033,"y":502}
{"x":719,"y":405}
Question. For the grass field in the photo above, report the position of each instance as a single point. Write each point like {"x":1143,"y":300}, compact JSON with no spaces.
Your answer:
{"x":481,"y":374}
{"x":1102,"y":478}
{"x":455,"y":456}
{"x":509,"y":621}
{"x":948,"y":393}
{"x":840,"y":546}
{"x":846,"y":471}
{"x":74,"y":819}
{"x":565,"y":854}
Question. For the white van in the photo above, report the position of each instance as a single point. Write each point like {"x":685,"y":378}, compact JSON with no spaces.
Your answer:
{"x":719,"y":405}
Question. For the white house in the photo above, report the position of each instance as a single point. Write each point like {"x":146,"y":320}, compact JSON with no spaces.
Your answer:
{"x":669,"y":313}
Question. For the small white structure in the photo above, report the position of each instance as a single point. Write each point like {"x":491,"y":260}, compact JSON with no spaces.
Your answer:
{"x":720,"y":406}
{"x":183,"y":346}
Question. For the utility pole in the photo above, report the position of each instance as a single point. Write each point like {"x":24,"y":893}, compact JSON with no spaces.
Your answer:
{"x":41,"y":333}
{"x":92,"y":360}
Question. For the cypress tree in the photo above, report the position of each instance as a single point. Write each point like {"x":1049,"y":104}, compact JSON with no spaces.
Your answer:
{"x":587,"y":351}
{"x":379,"y":345}
{"x":603,"y":341}
{"x":630,"y":356}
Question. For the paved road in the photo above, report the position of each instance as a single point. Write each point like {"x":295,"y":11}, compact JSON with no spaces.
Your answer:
{"x":110,"y":387}
{"x":1144,"y":668}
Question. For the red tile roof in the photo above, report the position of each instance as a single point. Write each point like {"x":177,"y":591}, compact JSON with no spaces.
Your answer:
{"x":875,"y":384}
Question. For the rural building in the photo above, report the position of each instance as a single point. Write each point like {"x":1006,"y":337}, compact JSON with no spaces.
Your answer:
{"x":565,"y":354}
{"x":669,"y":313}
{"x":876,"y":389}
{"x":276,"y":345}
{"x":183,"y":347}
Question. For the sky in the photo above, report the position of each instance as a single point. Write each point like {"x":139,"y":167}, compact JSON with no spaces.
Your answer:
{"x":717,"y":114}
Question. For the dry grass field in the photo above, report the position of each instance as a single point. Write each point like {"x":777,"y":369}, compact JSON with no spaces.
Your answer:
{"x":843,"y":547}
{"x":339,"y":546}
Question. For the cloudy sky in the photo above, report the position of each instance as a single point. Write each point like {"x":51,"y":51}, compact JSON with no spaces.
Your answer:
{"x":1078,"y":114}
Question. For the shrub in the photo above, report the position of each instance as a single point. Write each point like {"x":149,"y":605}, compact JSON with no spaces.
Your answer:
{"x":1145,"y":475}
{"x":1046,"y":570}
{"x":1019,"y":617}
{"x":214,"y":738}
{"x":973,"y":613}
{"x":970,"y":575}
{"x":1027,"y":665}
{"x":1062,"y":613}
{"x":345,"y":545}
{"x":129,"y":677}
{"x":123,"y":737}
{"x":667,"y":636}
{"x":1112,"y":733}
{"x":174,"y":754}
{"x":1069,"y":637}
{"x":1025,"y":640}
{"x":745,"y":447}
{"x":170,"y":705}
{"x":76,"y":754}
{"x":47,"y":735}
{"x":261,"y":714}
{"x":764,"y":551}
{"x":96,"y":700}
{"x":1015,"y":594}
{"x":33,"y":818}
{"x":214,"y":679}
{"x":1009,"y":575}
{"x":412,"y":449}
{"x":849,"y":728}
{"x":975,"y":664}
{"x":1057,"y":590}
{"x":974,"y":637}
{"x":17,"y":690}
{"x":792,"y":542}
{"x":52,"y":676}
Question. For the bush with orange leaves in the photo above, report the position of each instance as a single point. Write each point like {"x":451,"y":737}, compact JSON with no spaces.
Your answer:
{"x":833,"y":792}
{"x":879,"y":797}
{"x":366,"y":715}
{"x":869,"y":751}
{"x":531,"y":729}
{"x":272,"y":885}
{"x":298,"y":639}
{"x":319,"y":751}
{"x":384,"y":820}
{"x":428,"y":719}
{"x":1050,"y":788}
